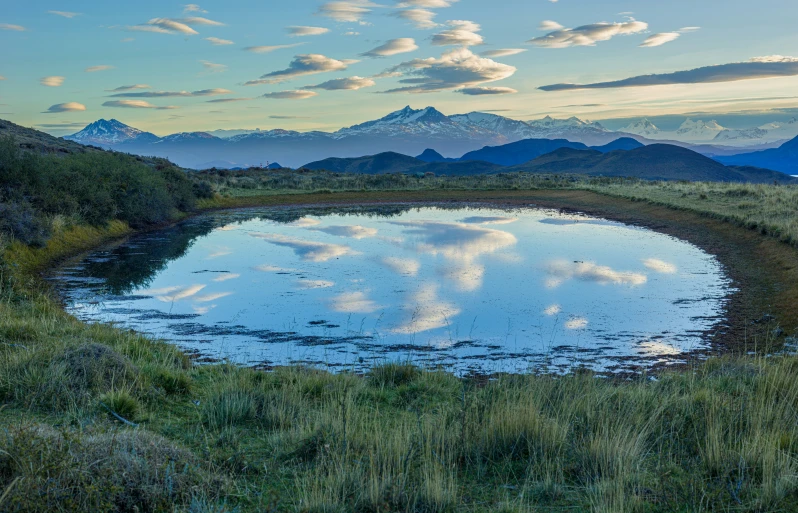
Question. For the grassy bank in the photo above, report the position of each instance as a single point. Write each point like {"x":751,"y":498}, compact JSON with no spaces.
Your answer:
{"x":719,"y":436}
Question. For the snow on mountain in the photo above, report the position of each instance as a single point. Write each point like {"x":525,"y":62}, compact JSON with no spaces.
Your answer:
{"x":109,"y":133}
{"x":699,"y":130}
{"x":550,"y":123}
{"x":746,"y":134}
{"x":782,"y":130}
{"x":188,"y":137}
{"x":513,"y":129}
{"x":644,"y":128}
{"x":277,"y":134}
{"x":427,"y":122}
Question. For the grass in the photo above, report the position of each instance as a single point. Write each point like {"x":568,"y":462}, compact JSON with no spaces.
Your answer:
{"x":717,"y":436}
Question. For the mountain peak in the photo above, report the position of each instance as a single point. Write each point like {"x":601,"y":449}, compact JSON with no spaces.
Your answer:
{"x":105,"y":133}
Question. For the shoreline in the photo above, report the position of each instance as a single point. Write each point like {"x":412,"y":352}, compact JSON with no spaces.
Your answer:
{"x":752,"y":310}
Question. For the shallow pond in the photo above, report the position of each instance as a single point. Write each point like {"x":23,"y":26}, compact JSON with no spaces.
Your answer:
{"x":473,"y":289}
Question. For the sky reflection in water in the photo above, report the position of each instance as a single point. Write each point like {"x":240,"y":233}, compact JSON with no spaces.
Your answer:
{"x":473,"y":289}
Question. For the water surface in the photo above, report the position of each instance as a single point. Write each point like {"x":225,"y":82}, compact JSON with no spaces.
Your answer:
{"x":476,"y":289}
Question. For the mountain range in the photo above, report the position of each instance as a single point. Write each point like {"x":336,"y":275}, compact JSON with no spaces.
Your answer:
{"x":407,"y":131}
{"x":653,"y":162}
{"x":712,"y":132}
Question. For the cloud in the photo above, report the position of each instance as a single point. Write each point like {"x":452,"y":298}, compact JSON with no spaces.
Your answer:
{"x":226,"y":277}
{"x":15,"y":28}
{"x":219,"y":42}
{"x":269,"y":49}
{"x":2,"y":78}
{"x":478,"y":91}
{"x":65,"y":107}
{"x":207,"y":298}
{"x":354,"y":302}
{"x":307,"y":250}
{"x":425,"y":311}
{"x":560,"y":271}
{"x":489,"y":220}
{"x":588,"y":35}
{"x":463,"y":33}
{"x":305,"y":222}
{"x":660,"y":39}
{"x":393,"y":47}
{"x":197,"y":20}
{"x":228,"y":100}
{"x":403,"y":266}
{"x":94,"y":69}
{"x":461,"y":244}
{"x":552,"y":310}
{"x":503,"y":52}
{"x":164,"y":26}
{"x":135,"y":104}
{"x":299,"y":31}
{"x":193,"y":8}
{"x":173,"y":294}
{"x":352,"y":11}
{"x":429,"y":4}
{"x":52,"y":81}
{"x":173,"y":94}
{"x":355,"y":232}
{"x":660,"y":266}
{"x":128,"y":88}
{"x":290,"y":95}
{"x":576,"y":323}
{"x":64,"y":14}
{"x":315,"y":284}
{"x":213,"y":67}
{"x":760,"y":67}
{"x":77,"y":124}
{"x":421,"y":18}
{"x":457,"y":68}
{"x":302,"y":65}
{"x":345,"y":84}
{"x":549,"y":26}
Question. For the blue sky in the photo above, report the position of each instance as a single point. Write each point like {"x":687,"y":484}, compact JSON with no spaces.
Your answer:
{"x":453,"y":51}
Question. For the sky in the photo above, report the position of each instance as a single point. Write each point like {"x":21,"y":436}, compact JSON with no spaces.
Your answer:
{"x":314,"y":65}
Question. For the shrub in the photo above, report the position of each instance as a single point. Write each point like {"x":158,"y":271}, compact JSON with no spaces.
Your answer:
{"x":22,"y":221}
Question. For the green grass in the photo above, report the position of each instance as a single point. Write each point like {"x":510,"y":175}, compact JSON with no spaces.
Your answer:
{"x":719,"y":436}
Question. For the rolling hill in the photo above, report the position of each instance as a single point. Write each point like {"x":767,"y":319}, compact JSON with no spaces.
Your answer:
{"x":784,"y":158}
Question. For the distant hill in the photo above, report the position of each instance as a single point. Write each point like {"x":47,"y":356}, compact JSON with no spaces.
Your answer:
{"x":623,"y":143}
{"x":653,"y":162}
{"x":520,"y":151}
{"x":431,"y":155}
{"x":390,"y":162}
{"x":784,"y":158}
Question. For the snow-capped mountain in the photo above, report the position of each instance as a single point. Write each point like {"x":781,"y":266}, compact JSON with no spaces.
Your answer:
{"x":782,"y":130}
{"x":106,"y":133}
{"x":187,"y":137}
{"x":699,"y":130}
{"x":644,"y":128}
{"x":512,"y":129}
{"x":746,"y":134}
{"x":428,"y":122}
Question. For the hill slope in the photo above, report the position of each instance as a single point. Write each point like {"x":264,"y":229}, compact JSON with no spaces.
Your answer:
{"x":654,"y":162}
{"x":33,"y":140}
{"x":520,"y":151}
{"x":784,"y":158}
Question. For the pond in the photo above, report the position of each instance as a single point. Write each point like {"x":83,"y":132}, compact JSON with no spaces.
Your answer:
{"x":471,"y":289}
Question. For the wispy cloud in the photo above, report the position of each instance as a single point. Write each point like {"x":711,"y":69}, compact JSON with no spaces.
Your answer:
{"x":461,"y":33}
{"x":228,"y":100}
{"x":307,"y":250}
{"x":173,"y":94}
{"x":455,"y":69}
{"x":132,"y":87}
{"x":393,"y":47}
{"x":269,"y":49}
{"x":586,"y":35}
{"x":213,"y":67}
{"x":760,"y":67}
{"x":421,"y":18}
{"x":14,"y":28}
{"x":345,"y":84}
{"x":290,"y":95}
{"x":164,"y":26}
{"x":429,"y":4}
{"x":502,"y":52}
{"x":94,"y":69}
{"x":193,"y":8}
{"x":302,"y":65}
{"x":64,"y":14}
{"x":52,"y":81}
{"x":65,"y":107}
{"x":219,"y":42}
{"x":135,"y":104}
{"x":350,"y":11}
{"x":299,"y":31}
{"x":660,"y":39}
{"x":481,"y":91}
